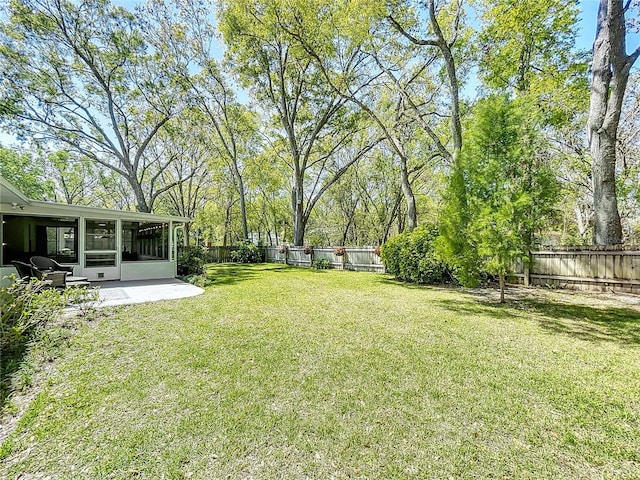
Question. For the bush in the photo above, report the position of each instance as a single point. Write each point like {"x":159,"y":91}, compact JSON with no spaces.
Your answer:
{"x":410,"y":256}
{"x":191,"y":260}
{"x":84,"y":299}
{"x":322,"y":264}
{"x":247,"y":252}
{"x":25,"y":307}
{"x":201,"y":280}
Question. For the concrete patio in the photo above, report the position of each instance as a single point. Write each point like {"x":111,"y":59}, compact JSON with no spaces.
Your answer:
{"x":141,"y":291}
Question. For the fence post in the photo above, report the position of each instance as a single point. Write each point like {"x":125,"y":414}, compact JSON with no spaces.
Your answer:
{"x":526,"y":269}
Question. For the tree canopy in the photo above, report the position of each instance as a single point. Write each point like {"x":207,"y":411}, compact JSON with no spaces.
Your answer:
{"x":313,"y":121}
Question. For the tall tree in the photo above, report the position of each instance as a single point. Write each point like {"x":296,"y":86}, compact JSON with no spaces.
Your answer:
{"x":313,"y":123}
{"x":187,"y":32}
{"x":504,"y":184}
{"x":187,"y":145}
{"x":75,"y":177}
{"x":379,"y":74}
{"x":27,"y":172}
{"x":610,"y":73}
{"x":82,"y":76}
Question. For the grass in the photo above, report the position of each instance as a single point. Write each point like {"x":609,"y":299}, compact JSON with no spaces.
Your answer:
{"x":278,"y":372}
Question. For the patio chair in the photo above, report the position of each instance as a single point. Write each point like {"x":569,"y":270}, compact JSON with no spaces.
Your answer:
{"x":26,"y":272}
{"x":49,"y":264}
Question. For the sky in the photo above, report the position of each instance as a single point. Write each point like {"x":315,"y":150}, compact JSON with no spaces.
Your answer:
{"x":584,"y":41}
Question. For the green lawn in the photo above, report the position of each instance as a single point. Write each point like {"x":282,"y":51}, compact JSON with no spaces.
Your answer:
{"x":288,"y":373}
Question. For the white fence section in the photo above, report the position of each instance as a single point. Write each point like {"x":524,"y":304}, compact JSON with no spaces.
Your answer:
{"x":362,"y":259}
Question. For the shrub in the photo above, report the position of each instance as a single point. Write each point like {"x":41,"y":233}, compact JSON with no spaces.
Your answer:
{"x":410,"y":256}
{"x":200,"y":280}
{"x":247,"y":252}
{"x":84,"y":299}
{"x":191,"y":260}
{"x":25,"y":307}
{"x":322,"y":264}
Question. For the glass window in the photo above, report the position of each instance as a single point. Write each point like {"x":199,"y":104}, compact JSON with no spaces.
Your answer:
{"x":100,"y":259}
{"x":100,"y":235}
{"x":24,"y":236}
{"x":60,"y":241}
{"x":144,"y":241}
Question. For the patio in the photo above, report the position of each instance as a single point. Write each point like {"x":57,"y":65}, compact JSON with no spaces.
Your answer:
{"x":142,"y":291}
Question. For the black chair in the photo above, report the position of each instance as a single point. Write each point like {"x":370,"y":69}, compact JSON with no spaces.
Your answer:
{"x":25,"y":271}
{"x":49,"y":264}
{"x":53,"y":279}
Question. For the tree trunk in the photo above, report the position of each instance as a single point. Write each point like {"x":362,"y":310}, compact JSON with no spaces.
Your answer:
{"x":501,"y":279}
{"x":299,"y":221}
{"x":141,"y":201}
{"x":187,"y":232}
{"x":611,"y":66}
{"x":607,"y":228}
{"x":241,"y":193}
{"x":243,"y":209}
{"x":412,"y":215}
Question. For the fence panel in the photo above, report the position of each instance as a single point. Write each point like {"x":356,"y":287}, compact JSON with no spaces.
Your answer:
{"x":355,"y":258}
{"x":609,"y":269}
{"x":297,"y":257}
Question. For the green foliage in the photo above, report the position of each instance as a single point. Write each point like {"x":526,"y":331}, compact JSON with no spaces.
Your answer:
{"x":508,"y":192}
{"x":321,"y":264}
{"x":454,"y":246}
{"x":410,"y":256}
{"x":84,"y":299}
{"x":25,"y":307}
{"x":527,"y":46}
{"x":26,"y":172}
{"x":191,"y":260}
{"x":200,"y":280}
{"x":247,"y":252}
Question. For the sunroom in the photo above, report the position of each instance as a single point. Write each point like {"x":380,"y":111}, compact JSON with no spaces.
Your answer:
{"x":101,"y":244}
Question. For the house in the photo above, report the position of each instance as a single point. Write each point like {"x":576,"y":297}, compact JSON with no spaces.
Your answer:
{"x":102,"y":244}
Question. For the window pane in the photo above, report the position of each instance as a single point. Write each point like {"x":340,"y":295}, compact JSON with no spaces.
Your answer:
{"x":100,"y":235}
{"x":144,"y":241}
{"x":100,"y":259}
{"x":60,"y":242}
{"x":25,"y":236}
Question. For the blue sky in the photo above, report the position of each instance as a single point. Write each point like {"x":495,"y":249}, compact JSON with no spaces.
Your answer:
{"x":586,"y":34}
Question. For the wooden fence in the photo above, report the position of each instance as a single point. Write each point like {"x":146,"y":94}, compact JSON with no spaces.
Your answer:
{"x":609,"y":269}
{"x":355,"y":258}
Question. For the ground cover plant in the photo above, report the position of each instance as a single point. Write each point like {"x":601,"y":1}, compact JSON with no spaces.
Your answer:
{"x":281,"y":372}
{"x":25,"y":308}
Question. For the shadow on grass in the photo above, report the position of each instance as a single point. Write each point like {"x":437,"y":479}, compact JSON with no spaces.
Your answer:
{"x":585,"y":322}
{"x":232,"y":273}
